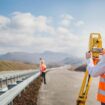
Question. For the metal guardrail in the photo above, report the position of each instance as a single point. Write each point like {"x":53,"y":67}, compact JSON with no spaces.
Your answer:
{"x":12,"y":84}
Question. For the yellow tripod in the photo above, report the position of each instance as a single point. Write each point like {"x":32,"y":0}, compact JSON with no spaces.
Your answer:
{"x":95,"y":46}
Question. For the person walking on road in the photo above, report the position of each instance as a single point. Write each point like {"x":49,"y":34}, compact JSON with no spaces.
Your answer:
{"x":43,"y":70}
{"x":95,"y":71}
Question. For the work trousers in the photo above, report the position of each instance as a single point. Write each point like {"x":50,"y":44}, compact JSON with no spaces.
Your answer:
{"x":102,"y":103}
{"x":44,"y":77}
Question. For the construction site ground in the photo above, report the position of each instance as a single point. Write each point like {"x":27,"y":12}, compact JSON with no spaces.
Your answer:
{"x":63,"y":87}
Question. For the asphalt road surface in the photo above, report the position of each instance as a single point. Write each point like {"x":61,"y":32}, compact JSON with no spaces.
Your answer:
{"x":63,"y":87}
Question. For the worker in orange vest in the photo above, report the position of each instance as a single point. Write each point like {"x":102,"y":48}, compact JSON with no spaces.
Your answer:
{"x":98,"y":70}
{"x":43,"y":70}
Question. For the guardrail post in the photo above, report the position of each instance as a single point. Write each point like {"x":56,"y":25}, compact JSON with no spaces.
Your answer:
{"x":0,"y":83}
{"x":11,"y":103}
{"x":19,"y":94}
{"x":6,"y":81}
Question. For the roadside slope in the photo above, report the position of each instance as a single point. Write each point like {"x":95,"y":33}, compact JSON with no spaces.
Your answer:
{"x":13,"y":65}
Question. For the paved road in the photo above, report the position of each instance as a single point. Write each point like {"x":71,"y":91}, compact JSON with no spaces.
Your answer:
{"x":63,"y":87}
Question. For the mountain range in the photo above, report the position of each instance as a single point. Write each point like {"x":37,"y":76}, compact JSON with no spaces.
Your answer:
{"x":49,"y":56}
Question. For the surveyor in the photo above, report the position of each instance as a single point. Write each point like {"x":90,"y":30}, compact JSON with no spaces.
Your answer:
{"x":98,"y":70}
{"x":43,"y":70}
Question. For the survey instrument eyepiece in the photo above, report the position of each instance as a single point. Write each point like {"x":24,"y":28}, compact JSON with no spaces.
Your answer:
{"x":97,"y":50}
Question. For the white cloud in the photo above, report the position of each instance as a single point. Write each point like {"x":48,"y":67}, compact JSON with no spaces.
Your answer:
{"x":26,"y":32}
{"x":62,"y":30}
{"x":26,"y":22}
{"x":80,"y":23}
{"x":67,"y":17}
{"x":4,"y":21}
{"x":66,"y":20}
{"x":23,"y":21}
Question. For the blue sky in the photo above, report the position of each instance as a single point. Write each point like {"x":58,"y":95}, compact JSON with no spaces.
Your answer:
{"x":47,"y":21}
{"x":78,"y":8}
{"x":38,"y":7}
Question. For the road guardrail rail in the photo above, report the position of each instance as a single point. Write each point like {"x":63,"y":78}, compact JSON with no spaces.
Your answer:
{"x":12,"y":83}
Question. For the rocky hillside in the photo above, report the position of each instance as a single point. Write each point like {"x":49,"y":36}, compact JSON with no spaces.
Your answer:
{"x":81,"y":68}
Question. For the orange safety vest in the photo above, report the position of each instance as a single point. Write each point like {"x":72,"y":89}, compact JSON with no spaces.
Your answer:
{"x":43,"y":67}
{"x":101,"y":90}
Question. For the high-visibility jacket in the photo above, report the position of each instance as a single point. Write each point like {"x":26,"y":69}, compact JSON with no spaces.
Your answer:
{"x":97,"y":71}
{"x":101,"y":90}
{"x":42,"y":67}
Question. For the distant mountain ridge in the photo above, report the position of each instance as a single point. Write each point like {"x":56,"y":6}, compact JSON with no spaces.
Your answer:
{"x":72,"y":60}
{"x":49,"y":56}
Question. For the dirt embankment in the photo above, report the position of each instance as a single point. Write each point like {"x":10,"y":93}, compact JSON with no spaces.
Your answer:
{"x":81,"y":68}
{"x":29,"y":96}
{"x":13,"y":65}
